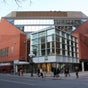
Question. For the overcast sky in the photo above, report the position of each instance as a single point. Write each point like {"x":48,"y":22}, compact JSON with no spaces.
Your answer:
{"x":44,"y":5}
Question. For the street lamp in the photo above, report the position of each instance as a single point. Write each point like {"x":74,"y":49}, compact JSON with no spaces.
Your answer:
{"x":31,"y":55}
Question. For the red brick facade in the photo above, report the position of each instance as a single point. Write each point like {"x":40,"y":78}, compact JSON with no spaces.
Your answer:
{"x":12,"y":39}
{"x":82,"y":34}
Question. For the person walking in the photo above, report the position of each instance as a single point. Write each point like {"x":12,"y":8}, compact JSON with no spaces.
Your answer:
{"x":21,"y":72}
{"x":58,"y":72}
{"x":66,"y":71}
{"x":41,"y":72}
{"x":77,"y":72}
{"x":38,"y":72}
{"x":55,"y":72}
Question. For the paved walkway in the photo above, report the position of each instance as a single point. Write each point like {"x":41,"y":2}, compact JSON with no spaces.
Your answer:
{"x":50,"y":75}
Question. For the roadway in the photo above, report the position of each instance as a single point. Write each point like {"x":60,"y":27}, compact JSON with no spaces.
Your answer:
{"x":14,"y":81}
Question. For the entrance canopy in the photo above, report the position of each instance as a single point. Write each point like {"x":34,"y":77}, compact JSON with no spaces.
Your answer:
{"x":21,"y":63}
{"x":5,"y":64}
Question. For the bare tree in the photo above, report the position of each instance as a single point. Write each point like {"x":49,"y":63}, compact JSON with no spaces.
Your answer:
{"x":18,"y":2}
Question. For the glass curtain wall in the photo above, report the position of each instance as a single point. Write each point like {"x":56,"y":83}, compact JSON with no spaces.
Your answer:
{"x":66,"y":44}
{"x":54,"y":42}
{"x":67,"y":25}
{"x":55,"y":39}
{"x":43,"y":42}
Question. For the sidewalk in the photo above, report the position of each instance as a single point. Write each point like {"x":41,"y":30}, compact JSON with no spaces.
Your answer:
{"x":50,"y":75}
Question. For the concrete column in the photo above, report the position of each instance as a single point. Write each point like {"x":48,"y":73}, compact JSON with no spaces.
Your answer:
{"x":82,"y":66}
{"x":16,"y":69}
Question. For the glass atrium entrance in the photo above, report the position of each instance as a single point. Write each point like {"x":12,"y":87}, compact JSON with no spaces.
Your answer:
{"x":46,"y":67}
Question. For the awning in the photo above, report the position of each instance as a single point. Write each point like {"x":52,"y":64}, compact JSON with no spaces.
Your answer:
{"x":21,"y":63}
{"x":5,"y":64}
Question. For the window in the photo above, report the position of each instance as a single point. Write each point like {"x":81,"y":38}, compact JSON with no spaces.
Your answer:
{"x":33,"y":21}
{"x":50,"y":38}
{"x":35,"y":52}
{"x":53,"y":51}
{"x":63,"y":46}
{"x":50,"y":32}
{"x":58,"y":51}
{"x":58,"y":38}
{"x":42,"y":34}
{"x":63,"y":40}
{"x":34,"y":47}
{"x":42,"y":39}
{"x":4,"y":52}
{"x":34,"y":41}
{"x":43,"y":52}
{"x":63,"y":52}
{"x":48,"y":51}
{"x":63,"y":34}
{"x":43,"y":46}
{"x":48,"y":44}
{"x":57,"y":45}
{"x":34,"y":36}
{"x":53,"y":45}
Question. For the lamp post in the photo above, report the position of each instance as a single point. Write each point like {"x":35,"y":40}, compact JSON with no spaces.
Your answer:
{"x":31,"y":55}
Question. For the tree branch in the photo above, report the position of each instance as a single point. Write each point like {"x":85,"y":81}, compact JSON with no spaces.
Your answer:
{"x":18,"y":2}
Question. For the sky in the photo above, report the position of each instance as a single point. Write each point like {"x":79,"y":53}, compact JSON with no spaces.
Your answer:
{"x":43,"y":5}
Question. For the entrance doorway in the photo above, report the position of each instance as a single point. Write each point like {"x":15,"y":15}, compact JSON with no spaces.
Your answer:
{"x":46,"y":67}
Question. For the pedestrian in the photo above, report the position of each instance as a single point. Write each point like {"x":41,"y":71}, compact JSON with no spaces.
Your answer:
{"x":58,"y":72}
{"x":41,"y":72}
{"x":38,"y":72}
{"x":21,"y":71}
{"x":77,"y":72}
{"x":55,"y":72}
{"x":66,"y":71}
